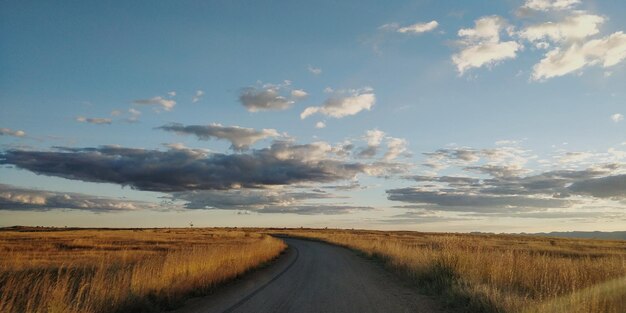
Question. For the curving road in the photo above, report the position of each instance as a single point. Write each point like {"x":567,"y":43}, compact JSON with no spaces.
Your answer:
{"x":315,"y":277}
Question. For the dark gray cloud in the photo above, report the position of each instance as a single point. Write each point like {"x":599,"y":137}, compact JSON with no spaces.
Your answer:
{"x":184,"y":169}
{"x":604,"y":187}
{"x":23,"y":199}
{"x":240,"y":137}
{"x":449,"y":200}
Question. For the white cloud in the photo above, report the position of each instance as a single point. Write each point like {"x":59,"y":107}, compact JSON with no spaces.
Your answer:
{"x":548,"y":5}
{"x":165,"y":104}
{"x":116,"y":112}
{"x":269,"y":97}
{"x":314,"y":70}
{"x":320,"y":124}
{"x":134,"y":115}
{"x":374,"y":137}
{"x":482,"y":45}
{"x":299,"y":93}
{"x":419,"y":28}
{"x":171,"y":93}
{"x":344,"y":103}
{"x":574,"y":27}
{"x":617,"y":117}
{"x":197,"y":96}
{"x":485,"y":54}
{"x":395,"y":147}
{"x":10,"y":132}
{"x":93,"y":120}
{"x":606,"y":52}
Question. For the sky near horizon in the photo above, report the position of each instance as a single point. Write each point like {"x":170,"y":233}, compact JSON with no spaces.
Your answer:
{"x":499,"y":116}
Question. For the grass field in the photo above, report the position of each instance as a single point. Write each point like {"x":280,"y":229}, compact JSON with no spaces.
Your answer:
{"x":122,"y":270}
{"x":143,"y":270}
{"x":499,"y":273}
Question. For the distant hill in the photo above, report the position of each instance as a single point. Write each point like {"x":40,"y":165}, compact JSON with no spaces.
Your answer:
{"x":615,"y":235}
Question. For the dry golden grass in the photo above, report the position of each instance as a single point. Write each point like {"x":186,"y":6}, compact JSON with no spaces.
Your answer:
{"x":499,"y":273}
{"x":122,"y":270}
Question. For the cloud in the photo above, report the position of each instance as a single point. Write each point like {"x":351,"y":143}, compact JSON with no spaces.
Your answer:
{"x":459,"y":201}
{"x":418,"y":28}
{"x":11,"y":132}
{"x":299,"y":93}
{"x":603,"y":187}
{"x":605,"y":52}
{"x":395,"y":147}
{"x":549,"y":5}
{"x":283,"y":163}
{"x":574,"y":27}
{"x":373,"y":138}
{"x":481,"y":45}
{"x":317,"y":209}
{"x":241,"y":138}
{"x":172,"y":93}
{"x":263,"y":201}
{"x":314,"y":70}
{"x":320,"y":125}
{"x":22,"y":199}
{"x":498,"y":170}
{"x":617,"y":117}
{"x":92,"y":120}
{"x":197,"y":96}
{"x":134,"y":115}
{"x":497,"y":180}
{"x":269,"y":97}
{"x":344,"y":103}
{"x":451,"y":180}
{"x":165,"y":104}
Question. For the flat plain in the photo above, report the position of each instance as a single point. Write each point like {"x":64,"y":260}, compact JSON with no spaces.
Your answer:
{"x":152,"y":270}
{"x":106,"y":270}
{"x":498,"y":273}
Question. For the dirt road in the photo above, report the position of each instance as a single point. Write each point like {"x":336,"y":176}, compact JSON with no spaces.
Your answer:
{"x":315,"y":277}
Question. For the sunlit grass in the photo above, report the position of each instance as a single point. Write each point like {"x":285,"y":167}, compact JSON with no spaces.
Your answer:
{"x":500,"y":273}
{"x":122,"y":270}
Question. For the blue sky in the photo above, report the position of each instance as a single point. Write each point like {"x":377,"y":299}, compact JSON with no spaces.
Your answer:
{"x":426,"y":115}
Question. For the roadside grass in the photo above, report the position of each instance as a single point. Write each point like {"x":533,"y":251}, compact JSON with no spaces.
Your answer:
{"x":498,"y":273}
{"x":141,"y":270}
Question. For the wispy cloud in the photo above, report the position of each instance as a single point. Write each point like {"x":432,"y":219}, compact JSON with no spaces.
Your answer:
{"x":199,"y":94}
{"x":344,"y":103}
{"x":94,"y":120}
{"x":241,"y":138}
{"x":314,"y":70}
{"x":11,"y":132}
{"x":159,"y":102}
